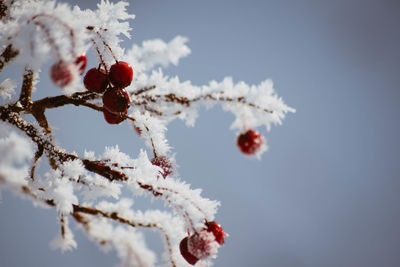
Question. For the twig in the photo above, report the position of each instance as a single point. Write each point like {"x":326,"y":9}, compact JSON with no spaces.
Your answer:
{"x":151,"y":141}
{"x":62,"y":100}
{"x":38,"y":155}
{"x":8,"y":54}
{"x":172,"y":98}
{"x":27,"y":87}
{"x":78,"y":210}
{"x":145,"y":89}
{"x":3,"y":9}
{"x":54,"y":152}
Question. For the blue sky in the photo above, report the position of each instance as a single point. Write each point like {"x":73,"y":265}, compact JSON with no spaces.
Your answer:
{"x":327,"y":191}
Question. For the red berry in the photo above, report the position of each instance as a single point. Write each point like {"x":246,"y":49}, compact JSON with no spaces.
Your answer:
{"x":116,"y":103}
{"x":112,"y":118}
{"x":121,"y":74}
{"x":198,"y":246}
{"x":81,"y":62}
{"x":61,"y":74}
{"x":202,"y":244}
{"x":95,"y":80}
{"x":249,"y":142}
{"x":183,"y":247}
{"x":164,"y":163}
{"x":217,"y":230}
{"x":116,"y":99}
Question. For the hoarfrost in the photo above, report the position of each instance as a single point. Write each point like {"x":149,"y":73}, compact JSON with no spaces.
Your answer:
{"x":88,"y":188}
{"x":7,"y":89}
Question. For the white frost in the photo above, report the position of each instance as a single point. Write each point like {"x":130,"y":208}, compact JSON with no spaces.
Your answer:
{"x":16,"y":154}
{"x":45,"y":31}
{"x":65,"y":241}
{"x":7,"y":88}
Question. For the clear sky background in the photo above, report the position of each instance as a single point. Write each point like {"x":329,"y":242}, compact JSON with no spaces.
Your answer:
{"x":327,"y":191}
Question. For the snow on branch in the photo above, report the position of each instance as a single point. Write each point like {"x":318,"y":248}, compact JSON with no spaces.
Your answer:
{"x":123,"y":86}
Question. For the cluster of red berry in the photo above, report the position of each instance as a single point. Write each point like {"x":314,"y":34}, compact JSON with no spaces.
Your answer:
{"x":201,"y":245}
{"x":112,"y":83}
{"x":115,"y":98}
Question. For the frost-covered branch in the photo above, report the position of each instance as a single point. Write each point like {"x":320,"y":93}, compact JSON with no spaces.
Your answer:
{"x":52,"y":151}
{"x":78,"y":212}
{"x":145,"y":100}
{"x":123,"y":86}
{"x":98,"y":167}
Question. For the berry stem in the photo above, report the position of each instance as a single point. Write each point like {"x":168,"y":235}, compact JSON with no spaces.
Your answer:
{"x":66,"y":26}
{"x":100,"y":55}
{"x":107,"y":45}
{"x":50,"y":40}
{"x":151,"y":141}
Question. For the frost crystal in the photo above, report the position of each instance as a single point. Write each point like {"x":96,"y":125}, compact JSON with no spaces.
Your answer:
{"x":7,"y":89}
{"x":65,"y":241}
{"x":88,"y":188}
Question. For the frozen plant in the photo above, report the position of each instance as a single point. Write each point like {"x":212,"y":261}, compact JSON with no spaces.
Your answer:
{"x":124,"y":87}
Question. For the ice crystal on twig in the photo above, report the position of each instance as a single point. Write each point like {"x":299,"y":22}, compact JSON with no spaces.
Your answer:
{"x":88,"y":188}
